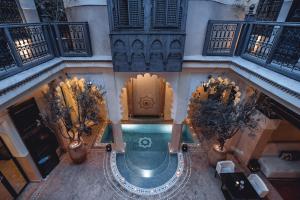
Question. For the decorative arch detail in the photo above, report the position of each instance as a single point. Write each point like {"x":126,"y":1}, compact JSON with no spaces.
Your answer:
{"x":168,"y":99}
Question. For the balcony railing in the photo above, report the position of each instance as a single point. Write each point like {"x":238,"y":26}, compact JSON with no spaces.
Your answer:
{"x":273,"y":45}
{"x":23,"y":46}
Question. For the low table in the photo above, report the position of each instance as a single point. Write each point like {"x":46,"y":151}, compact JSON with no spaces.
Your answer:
{"x":232,"y":191}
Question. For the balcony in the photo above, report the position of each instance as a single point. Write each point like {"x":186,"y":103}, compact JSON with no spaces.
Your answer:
{"x":23,"y":46}
{"x":272,"y":45}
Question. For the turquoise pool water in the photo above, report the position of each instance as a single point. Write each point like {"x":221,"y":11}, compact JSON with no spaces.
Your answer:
{"x":186,"y":134}
{"x":147,"y":162}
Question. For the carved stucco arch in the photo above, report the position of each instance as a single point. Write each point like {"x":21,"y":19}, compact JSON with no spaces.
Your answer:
{"x":169,"y":95}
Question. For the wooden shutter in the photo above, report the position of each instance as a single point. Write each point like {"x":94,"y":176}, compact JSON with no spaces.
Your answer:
{"x":123,"y":13}
{"x":166,"y":13}
{"x":128,"y":14}
{"x":172,"y":13}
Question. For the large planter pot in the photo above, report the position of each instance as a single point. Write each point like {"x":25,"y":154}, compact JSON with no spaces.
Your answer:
{"x":215,"y":154}
{"x":77,"y":151}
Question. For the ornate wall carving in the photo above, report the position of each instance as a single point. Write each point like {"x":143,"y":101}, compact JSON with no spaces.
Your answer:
{"x":155,"y":52}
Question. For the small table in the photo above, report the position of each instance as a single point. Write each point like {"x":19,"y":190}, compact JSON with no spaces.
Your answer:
{"x":235,"y":192}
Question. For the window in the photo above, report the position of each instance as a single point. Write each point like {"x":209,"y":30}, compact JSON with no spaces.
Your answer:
{"x":268,"y":10}
{"x":9,"y":12}
{"x":166,"y":13}
{"x":147,"y":15}
{"x":51,"y":10}
{"x":128,"y":14}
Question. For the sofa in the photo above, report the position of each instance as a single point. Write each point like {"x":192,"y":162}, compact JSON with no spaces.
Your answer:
{"x":273,"y":166}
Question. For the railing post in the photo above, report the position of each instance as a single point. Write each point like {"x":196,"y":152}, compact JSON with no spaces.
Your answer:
{"x":52,"y":39}
{"x":242,"y":39}
{"x":50,"y":44}
{"x":87,"y":39}
{"x":246,"y":39}
{"x":58,"y":40}
{"x":11,"y":44}
{"x":236,"y":38}
{"x":274,"y":45}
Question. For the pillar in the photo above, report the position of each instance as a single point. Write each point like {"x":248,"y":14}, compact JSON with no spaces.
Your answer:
{"x":284,"y":11}
{"x":181,"y":101}
{"x":13,"y":141}
{"x":29,"y":11}
{"x":114,"y":110}
{"x":250,"y":145}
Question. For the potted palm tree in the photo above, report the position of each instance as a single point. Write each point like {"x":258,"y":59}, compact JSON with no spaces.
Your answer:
{"x":222,"y":113}
{"x":86,"y":98}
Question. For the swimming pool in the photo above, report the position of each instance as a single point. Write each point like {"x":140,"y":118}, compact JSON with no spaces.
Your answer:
{"x":147,"y":167}
{"x":187,"y":137}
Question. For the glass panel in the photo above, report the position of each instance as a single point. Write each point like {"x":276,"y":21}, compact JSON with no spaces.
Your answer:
{"x":9,"y":169}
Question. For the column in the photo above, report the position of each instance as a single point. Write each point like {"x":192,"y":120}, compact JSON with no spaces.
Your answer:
{"x":284,"y":11}
{"x":17,"y":148}
{"x":114,"y":110}
{"x":181,"y":101}
{"x":251,"y":145}
{"x":29,"y":11}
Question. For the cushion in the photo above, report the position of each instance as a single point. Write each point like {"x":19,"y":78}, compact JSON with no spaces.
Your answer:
{"x":274,"y":167}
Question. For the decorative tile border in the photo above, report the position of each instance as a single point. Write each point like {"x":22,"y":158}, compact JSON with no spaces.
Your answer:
{"x":146,"y":191}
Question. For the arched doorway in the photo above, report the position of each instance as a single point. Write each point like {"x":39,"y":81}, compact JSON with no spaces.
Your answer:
{"x":146,"y":97}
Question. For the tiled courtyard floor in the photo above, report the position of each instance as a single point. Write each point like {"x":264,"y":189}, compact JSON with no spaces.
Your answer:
{"x":87,"y":181}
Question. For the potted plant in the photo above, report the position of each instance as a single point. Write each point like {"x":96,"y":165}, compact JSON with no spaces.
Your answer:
{"x":222,"y":113}
{"x":86,"y":98}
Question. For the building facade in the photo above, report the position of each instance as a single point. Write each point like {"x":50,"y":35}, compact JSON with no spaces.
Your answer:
{"x":150,"y":56}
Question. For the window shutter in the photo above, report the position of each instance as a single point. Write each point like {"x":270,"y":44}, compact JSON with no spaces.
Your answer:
{"x":134,"y":12}
{"x":128,"y":14}
{"x":123,"y":13}
{"x":160,"y":12}
{"x":166,"y":13}
{"x":172,"y":13}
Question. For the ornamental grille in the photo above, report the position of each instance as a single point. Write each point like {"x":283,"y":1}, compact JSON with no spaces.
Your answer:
{"x":268,"y":10}
{"x":30,"y":42}
{"x":261,"y":41}
{"x":287,"y":52}
{"x":9,"y":12}
{"x":51,"y":10}
{"x":7,"y":61}
{"x":222,"y":38}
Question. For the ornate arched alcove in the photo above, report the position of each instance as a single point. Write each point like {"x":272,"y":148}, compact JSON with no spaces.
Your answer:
{"x":146,"y":96}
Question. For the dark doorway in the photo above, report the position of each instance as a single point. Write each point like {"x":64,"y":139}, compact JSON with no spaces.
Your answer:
{"x":12,"y":178}
{"x":39,"y":140}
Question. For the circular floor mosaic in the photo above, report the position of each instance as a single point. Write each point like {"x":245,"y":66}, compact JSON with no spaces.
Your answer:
{"x":125,"y":189}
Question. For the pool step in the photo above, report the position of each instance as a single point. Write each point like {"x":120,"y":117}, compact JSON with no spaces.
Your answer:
{"x":141,"y":171}
{"x":148,"y":182}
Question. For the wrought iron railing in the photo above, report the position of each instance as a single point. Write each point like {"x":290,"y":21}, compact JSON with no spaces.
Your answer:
{"x":23,"y":46}
{"x":273,"y":45}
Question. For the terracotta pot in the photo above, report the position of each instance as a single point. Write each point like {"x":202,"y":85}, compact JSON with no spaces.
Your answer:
{"x":77,"y":151}
{"x":215,"y":154}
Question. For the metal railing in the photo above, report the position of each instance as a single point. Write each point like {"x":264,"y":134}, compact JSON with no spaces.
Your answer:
{"x":273,"y":45}
{"x":23,"y":46}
